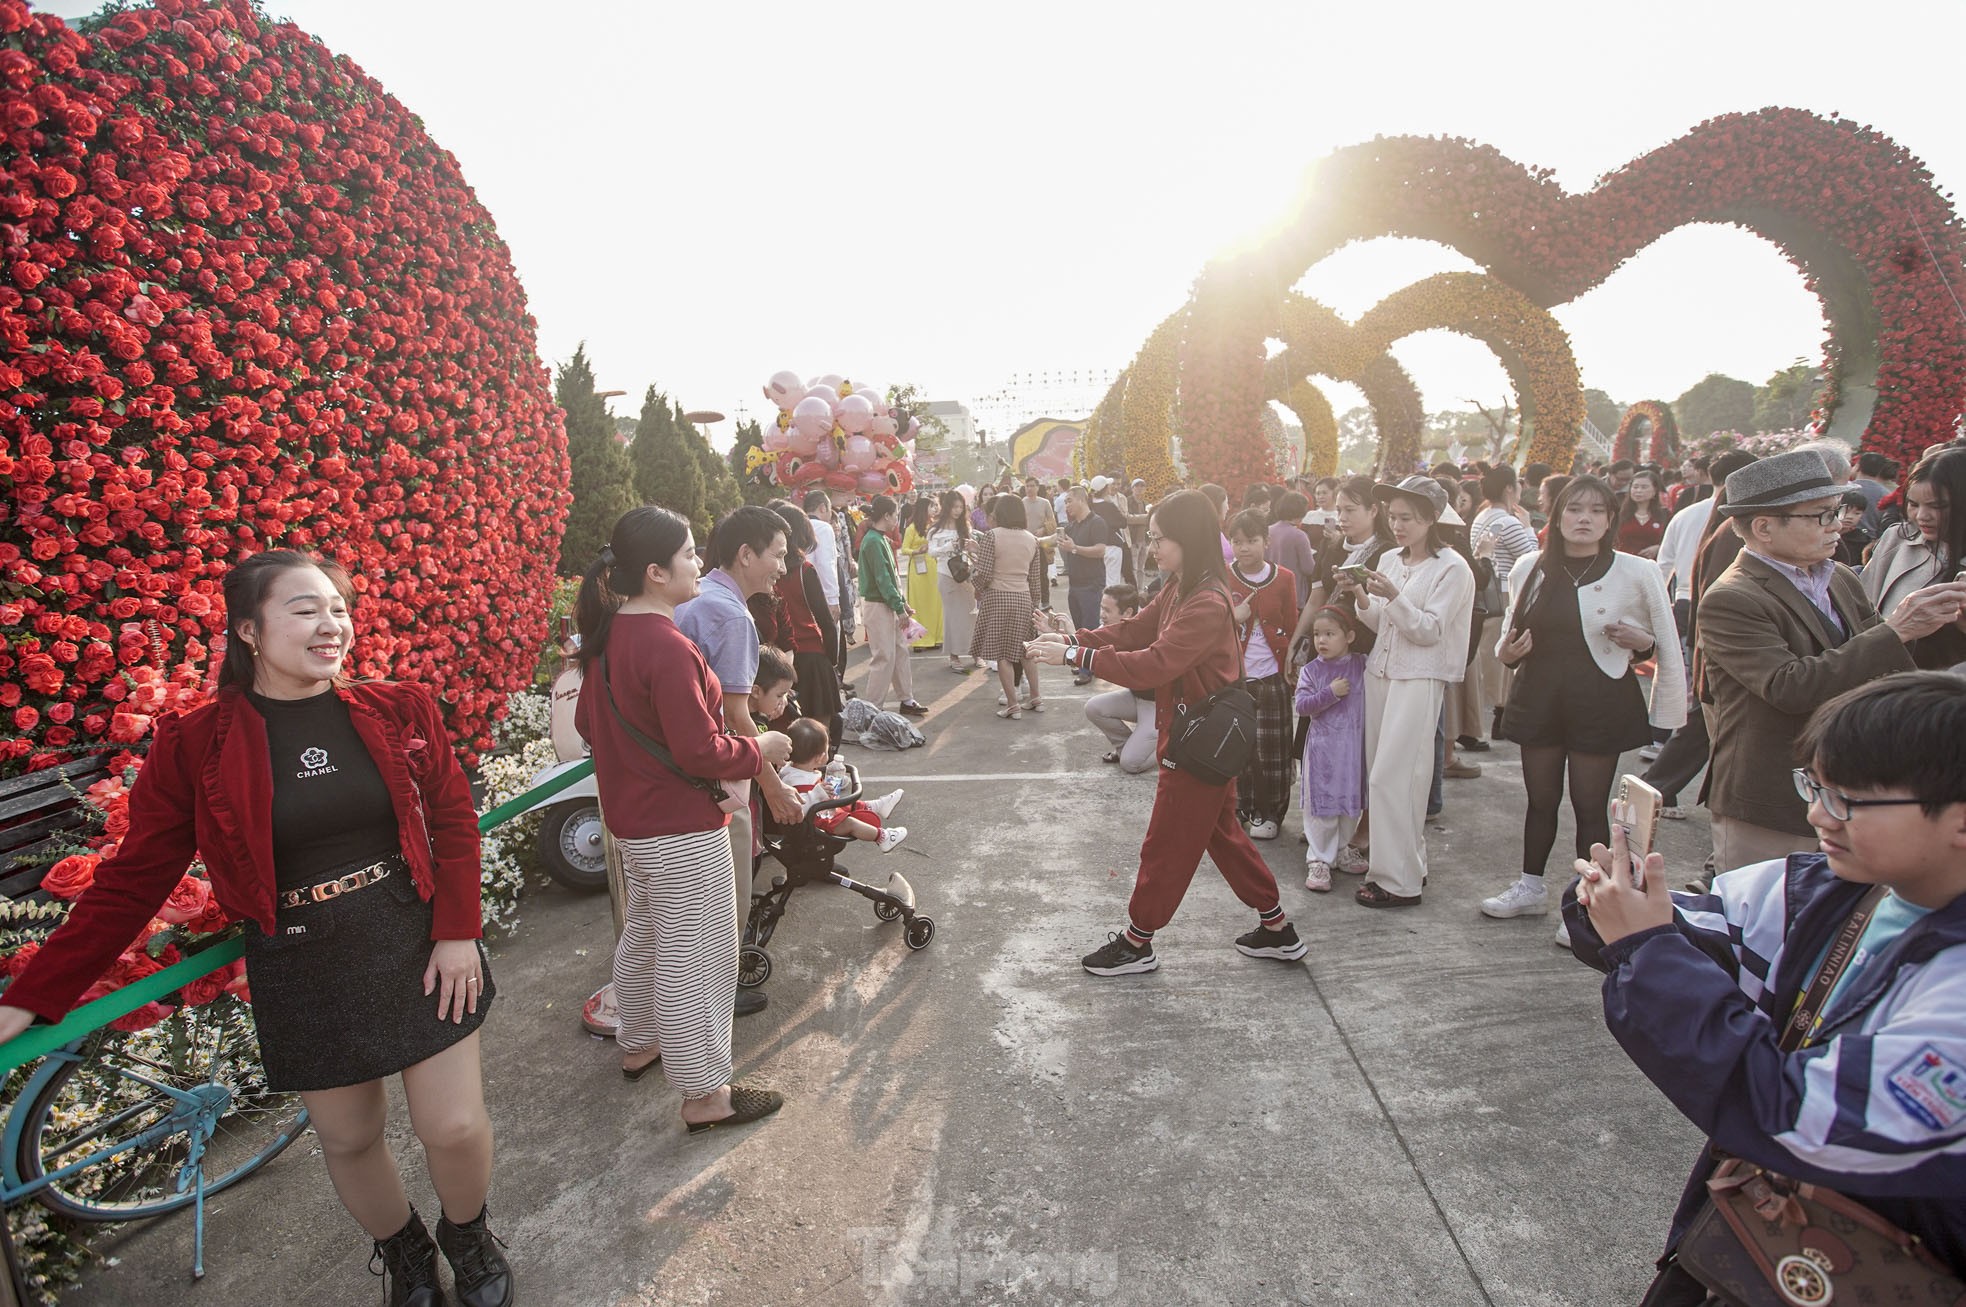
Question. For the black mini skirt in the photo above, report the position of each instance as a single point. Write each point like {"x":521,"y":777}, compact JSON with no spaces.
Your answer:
{"x":337,"y":991}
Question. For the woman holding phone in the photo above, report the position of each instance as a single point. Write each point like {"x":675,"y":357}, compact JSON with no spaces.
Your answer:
{"x":1584,"y":612}
{"x":1183,"y":646}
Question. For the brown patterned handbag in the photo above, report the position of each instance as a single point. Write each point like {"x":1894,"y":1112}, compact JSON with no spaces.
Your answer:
{"x":1765,"y":1240}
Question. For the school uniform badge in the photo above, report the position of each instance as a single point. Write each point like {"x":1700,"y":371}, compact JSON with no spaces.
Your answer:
{"x":1931,"y":1088}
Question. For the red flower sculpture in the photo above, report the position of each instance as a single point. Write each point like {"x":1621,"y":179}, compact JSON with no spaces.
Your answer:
{"x":1661,"y":448}
{"x":1853,"y":210}
{"x":246,"y":302}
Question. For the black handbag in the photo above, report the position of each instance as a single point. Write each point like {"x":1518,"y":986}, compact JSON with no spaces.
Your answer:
{"x":958,"y":568}
{"x":1212,"y":740}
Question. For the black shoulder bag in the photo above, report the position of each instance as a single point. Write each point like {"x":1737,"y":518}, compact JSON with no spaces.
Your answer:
{"x":654,"y":750}
{"x":1212,"y":740}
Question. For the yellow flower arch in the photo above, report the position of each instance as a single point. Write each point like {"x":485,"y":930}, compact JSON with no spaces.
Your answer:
{"x":1531,"y":345}
{"x":1147,"y":409}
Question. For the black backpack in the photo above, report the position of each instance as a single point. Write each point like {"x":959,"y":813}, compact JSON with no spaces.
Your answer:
{"x":1212,"y":740}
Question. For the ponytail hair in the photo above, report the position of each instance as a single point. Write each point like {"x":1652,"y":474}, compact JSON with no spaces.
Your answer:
{"x":645,"y":537}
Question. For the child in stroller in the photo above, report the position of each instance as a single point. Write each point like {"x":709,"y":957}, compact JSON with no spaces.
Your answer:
{"x":807,"y":852}
{"x":804,"y":773}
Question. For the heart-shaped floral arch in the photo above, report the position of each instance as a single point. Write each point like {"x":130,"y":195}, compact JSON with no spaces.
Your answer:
{"x":1853,"y":210}
{"x":1654,"y":419}
{"x":245,"y":301}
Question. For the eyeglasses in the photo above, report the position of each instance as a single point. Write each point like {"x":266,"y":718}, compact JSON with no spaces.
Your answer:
{"x":1836,"y":803}
{"x":1825,"y":518}
{"x":1155,"y":537}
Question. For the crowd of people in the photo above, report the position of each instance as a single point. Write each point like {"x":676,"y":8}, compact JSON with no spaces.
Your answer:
{"x":1725,"y":617}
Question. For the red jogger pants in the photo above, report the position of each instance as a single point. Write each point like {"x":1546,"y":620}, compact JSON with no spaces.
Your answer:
{"x":1189,"y":819}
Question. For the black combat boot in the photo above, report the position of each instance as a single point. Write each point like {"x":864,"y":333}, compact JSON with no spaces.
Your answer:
{"x":409,"y":1259}
{"x":484,"y":1279}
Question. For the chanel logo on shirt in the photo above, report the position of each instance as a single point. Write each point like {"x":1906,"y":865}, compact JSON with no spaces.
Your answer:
{"x":315,"y":763}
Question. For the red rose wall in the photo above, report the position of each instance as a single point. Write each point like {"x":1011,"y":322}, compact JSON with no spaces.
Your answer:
{"x":246,"y":302}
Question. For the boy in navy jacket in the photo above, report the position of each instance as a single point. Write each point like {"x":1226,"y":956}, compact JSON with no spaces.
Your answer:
{"x":1699,"y":986}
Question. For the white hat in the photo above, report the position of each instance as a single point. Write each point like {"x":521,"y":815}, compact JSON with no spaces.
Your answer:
{"x":1100,"y":484}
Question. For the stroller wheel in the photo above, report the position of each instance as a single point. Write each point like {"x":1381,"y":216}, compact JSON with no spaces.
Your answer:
{"x":753,"y":967}
{"x":886,"y":911}
{"x":920,"y":931}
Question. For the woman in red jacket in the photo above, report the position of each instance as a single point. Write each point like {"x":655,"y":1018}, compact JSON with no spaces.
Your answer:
{"x":332,"y":816}
{"x":1183,"y":646}
{"x":646,"y":688}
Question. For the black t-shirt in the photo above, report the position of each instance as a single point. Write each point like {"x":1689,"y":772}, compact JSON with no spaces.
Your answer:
{"x":331,"y":806}
{"x":1115,"y":517}
{"x":1091,"y":529}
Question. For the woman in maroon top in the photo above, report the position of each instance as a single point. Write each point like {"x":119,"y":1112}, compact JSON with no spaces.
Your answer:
{"x":646,"y":687}
{"x":1183,"y":646}
{"x":332,"y":816}
{"x":806,"y":624}
{"x":1642,"y":517}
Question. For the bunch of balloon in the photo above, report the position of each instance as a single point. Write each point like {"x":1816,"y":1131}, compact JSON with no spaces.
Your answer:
{"x":838,"y":434}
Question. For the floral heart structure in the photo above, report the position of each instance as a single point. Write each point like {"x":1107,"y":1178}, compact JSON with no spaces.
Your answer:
{"x":1532,"y":346}
{"x":246,"y":302}
{"x":1855,"y":212}
{"x":1647,"y":416}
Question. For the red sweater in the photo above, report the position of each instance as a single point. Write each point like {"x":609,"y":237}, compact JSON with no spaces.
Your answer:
{"x":666,"y":690}
{"x":797,"y":629}
{"x":1273,"y":608}
{"x":207,"y":789}
{"x":1183,"y":651}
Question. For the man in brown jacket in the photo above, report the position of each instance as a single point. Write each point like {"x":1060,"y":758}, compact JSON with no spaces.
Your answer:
{"x":1781,"y":631}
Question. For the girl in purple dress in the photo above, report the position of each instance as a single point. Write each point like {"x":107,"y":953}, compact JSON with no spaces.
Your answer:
{"x":1331,"y":693}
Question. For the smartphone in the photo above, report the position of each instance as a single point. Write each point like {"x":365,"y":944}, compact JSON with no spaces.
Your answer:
{"x":1637,"y":809}
{"x":1356,"y":573}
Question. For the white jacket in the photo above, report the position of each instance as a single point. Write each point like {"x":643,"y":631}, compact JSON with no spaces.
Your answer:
{"x":1423,"y":630}
{"x":1901,"y":563}
{"x":1632,"y":591}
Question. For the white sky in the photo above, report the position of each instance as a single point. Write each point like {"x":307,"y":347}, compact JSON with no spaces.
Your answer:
{"x":709,"y":192}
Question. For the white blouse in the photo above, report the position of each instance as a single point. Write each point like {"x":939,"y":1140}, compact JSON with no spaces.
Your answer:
{"x":1423,"y":630}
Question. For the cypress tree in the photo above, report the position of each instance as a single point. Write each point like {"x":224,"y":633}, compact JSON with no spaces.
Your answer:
{"x":601,"y":481}
{"x":666,"y":470}
{"x":720,"y":493}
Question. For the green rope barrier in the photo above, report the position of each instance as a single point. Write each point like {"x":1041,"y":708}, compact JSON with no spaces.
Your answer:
{"x":91,"y":1016}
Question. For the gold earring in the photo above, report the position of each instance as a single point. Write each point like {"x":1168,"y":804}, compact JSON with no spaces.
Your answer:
{"x":254,"y":649}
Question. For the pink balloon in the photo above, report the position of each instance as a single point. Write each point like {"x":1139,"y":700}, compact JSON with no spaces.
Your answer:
{"x":856,"y":411}
{"x":875,"y":395}
{"x":800,"y":443}
{"x":785,"y":389}
{"x":826,"y":393}
{"x":813,"y":416}
{"x":829,"y":454}
{"x":774,"y":438}
{"x":882,"y":427}
{"x":859,"y":455}
{"x":871,"y":483}
{"x":832,"y":380}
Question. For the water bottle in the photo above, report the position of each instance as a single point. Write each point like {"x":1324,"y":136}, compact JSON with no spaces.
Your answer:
{"x":836,"y":777}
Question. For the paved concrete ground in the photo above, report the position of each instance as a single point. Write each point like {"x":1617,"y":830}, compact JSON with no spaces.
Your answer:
{"x":1427,"y":1111}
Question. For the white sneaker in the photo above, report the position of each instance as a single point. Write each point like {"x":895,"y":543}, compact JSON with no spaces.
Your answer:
{"x":891,"y":838}
{"x":885,"y":804}
{"x":1318,"y":876}
{"x":1563,"y":934}
{"x":1650,"y":753}
{"x":1352,"y":861}
{"x":1262,"y":830}
{"x":1675,"y":812}
{"x":1518,"y":900}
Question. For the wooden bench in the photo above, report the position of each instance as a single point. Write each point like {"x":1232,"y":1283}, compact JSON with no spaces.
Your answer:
{"x":38,"y":812}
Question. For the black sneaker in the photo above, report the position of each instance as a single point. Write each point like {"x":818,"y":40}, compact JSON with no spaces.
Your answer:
{"x":909,"y":708}
{"x":1120,"y":957}
{"x":749,"y":1003}
{"x":1471,"y":744}
{"x":1262,"y":942}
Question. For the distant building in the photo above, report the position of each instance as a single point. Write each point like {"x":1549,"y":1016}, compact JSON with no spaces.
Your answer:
{"x":956,"y":417}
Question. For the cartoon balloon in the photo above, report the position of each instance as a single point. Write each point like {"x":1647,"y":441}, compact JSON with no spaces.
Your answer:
{"x":774,"y":439}
{"x":871,"y":483}
{"x":785,"y":389}
{"x":859,"y":453}
{"x":856,"y":411}
{"x":813,"y":416}
{"x":840,"y":479}
{"x":900,"y":479}
{"x":882,"y":427}
{"x":829,"y":453}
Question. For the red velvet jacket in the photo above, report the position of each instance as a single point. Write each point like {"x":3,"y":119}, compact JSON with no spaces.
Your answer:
{"x":1182,"y":649}
{"x":207,"y":789}
{"x":1272,"y":609}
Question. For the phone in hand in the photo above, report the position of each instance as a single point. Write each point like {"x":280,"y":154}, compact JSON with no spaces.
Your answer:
{"x":1636,"y":808}
{"x":1356,"y":573}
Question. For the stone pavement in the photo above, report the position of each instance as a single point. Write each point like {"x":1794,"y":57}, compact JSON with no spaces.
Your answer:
{"x":1426,"y":1111}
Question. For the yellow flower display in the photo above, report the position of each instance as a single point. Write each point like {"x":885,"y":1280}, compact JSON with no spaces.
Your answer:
{"x":1320,"y":425}
{"x":1146,"y":421}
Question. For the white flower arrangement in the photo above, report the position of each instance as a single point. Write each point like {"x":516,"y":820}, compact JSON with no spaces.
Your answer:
{"x":511,"y":849}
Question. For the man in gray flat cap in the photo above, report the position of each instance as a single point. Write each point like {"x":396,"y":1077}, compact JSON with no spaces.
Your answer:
{"x":1781,"y":631}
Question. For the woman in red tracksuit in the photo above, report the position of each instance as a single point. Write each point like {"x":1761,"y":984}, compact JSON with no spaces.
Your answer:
{"x":1184,"y":647}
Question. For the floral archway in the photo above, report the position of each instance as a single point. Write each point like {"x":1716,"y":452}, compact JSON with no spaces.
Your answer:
{"x":300,"y":329}
{"x":1855,"y":212}
{"x":1652,"y":418}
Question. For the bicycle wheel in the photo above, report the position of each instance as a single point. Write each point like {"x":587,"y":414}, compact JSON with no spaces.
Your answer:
{"x":110,"y":1108}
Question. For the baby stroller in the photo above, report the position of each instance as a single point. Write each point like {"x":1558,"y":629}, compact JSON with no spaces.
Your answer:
{"x":808,"y":855}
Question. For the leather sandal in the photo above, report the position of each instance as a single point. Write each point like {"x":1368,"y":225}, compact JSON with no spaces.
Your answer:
{"x":747,"y":1105}
{"x":638,"y":1072}
{"x":1373,"y":895}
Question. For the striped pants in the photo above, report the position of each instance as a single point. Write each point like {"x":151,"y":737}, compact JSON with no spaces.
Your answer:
{"x":1263,"y":789}
{"x":675,"y":966}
